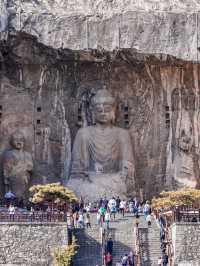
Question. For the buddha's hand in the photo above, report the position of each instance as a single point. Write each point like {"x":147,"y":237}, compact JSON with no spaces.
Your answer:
{"x":29,"y":167}
{"x":128,"y":169}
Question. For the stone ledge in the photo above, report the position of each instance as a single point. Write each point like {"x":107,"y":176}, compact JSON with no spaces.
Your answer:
{"x":150,"y":27}
{"x":34,"y":223}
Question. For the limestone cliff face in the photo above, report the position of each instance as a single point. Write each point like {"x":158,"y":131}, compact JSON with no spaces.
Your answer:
{"x":54,"y":55}
{"x":149,"y":26}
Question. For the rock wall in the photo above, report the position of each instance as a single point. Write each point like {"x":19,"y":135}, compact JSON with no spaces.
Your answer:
{"x":149,"y":26}
{"x":186,"y":241}
{"x":55,"y":55}
{"x":30,"y":244}
{"x":43,"y":89}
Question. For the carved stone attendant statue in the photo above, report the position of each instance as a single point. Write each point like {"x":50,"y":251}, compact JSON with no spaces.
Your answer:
{"x":182,"y":164}
{"x":17,"y":167}
{"x":102,"y":159}
{"x":184,"y":167}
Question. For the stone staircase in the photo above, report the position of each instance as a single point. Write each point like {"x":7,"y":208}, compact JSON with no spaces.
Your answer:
{"x":123,"y":236}
{"x":90,"y":250}
{"x":89,"y":240}
{"x":150,"y":242}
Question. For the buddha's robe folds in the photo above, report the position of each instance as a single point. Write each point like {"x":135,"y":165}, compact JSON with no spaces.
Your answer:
{"x":100,"y":150}
{"x":102,"y":161}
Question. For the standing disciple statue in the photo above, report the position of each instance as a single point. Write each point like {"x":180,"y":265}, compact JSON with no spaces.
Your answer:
{"x":102,"y":158}
{"x":17,"y":167}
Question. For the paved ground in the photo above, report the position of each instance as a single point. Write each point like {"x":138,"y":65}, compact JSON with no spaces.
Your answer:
{"x":150,"y":242}
{"x":90,"y":252}
{"x":121,"y":230}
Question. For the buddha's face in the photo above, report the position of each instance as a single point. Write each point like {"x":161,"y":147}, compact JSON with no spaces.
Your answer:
{"x":104,"y":113}
{"x":18,"y":141}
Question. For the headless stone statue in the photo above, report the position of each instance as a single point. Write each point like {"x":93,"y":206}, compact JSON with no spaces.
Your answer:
{"x":102,"y":159}
{"x":17,"y":167}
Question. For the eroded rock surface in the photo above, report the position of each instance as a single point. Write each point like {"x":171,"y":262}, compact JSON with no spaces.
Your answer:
{"x":55,"y":55}
{"x":168,"y":27}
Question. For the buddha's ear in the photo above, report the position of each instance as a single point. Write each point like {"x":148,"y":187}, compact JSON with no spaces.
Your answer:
{"x":113,"y":116}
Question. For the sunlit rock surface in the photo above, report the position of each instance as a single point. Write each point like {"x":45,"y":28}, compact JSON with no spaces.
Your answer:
{"x":55,"y":54}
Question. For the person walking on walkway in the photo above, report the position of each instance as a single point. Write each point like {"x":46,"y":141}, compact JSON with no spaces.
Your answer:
{"x":75,"y":218}
{"x":99,"y":222}
{"x":11,"y":211}
{"x":125,"y":260}
{"x":122,"y":207}
{"x":109,"y":245}
{"x":112,"y":206}
{"x":107,"y":219}
{"x":108,"y":259}
{"x":148,"y":219}
{"x":81,"y":220}
{"x":147,"y":209}
{"x":118,"y":203}
{"x":160,"y":262}
{"x":87,"y":220}
{"x":165,"y":259}
{"x":131,"y":259}
{"x":102,"y":211}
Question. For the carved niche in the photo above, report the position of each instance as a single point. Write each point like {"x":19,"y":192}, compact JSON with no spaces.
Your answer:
{"x":102,"y":158}
{"x":183,"y":160}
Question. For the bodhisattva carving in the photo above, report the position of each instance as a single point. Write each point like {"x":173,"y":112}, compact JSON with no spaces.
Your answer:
{"x":17,"y":167}
{"x":102,"y":158}
{"x":184,"y":158}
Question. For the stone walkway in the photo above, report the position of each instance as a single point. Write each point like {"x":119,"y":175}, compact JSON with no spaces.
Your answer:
{"x":121,"y":230}
{"x":150,"y":242}
{"x":90,"y":253}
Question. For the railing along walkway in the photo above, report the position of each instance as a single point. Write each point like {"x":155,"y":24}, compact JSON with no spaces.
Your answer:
{"x":32,"y":217}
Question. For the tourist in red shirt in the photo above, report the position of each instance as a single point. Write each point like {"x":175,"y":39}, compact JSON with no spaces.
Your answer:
{"x":108,"y":259}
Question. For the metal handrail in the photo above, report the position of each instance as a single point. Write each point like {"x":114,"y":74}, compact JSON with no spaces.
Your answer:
{"x":186,"y":214}
{"x":102,"y":232}
{"x":32,"y":217}
{"x":169,"y":246}
{"x":137,"y":246}
{"x":168,"y":240}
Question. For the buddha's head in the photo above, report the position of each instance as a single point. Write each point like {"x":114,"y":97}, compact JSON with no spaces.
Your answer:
{"x":103,"y":104}
{"x":17,"y":140}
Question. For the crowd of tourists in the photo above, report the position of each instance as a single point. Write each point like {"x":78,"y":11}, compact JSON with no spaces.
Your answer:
{"x":106,"y":210}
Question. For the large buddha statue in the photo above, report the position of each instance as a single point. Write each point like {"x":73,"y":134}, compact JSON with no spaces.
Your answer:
{"x":102,"y":158}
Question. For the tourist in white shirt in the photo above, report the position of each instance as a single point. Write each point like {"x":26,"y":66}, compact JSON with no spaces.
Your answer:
{"x":107,"y":219}
{"x":11,"y":211}
{"x":112,"y":204}
{"x":81,"y":220}
{"x":122,"y":207}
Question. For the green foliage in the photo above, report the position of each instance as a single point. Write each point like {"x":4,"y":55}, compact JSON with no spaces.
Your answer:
{"x":169,"y":199}
{"x":64,"y":256}
{"x":53,"y":192}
